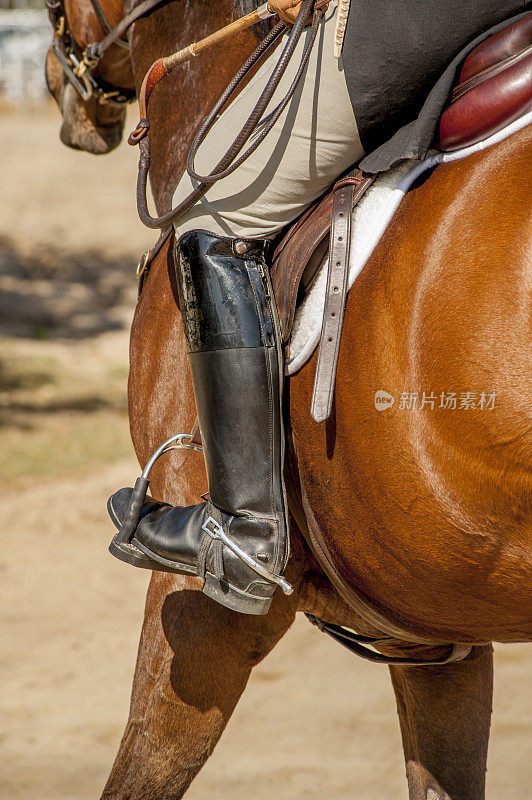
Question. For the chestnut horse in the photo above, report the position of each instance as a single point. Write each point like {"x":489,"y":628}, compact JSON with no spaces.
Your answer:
{"x":429,"y":510}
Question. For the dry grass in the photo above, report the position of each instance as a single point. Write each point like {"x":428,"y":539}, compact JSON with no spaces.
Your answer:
{"x":69,"y":243}
{"x":62,"y":410}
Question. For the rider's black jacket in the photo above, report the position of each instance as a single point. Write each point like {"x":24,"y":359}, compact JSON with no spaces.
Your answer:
{"x":401,"y":60}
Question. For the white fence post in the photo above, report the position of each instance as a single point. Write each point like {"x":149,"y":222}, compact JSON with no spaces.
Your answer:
{"x":25,"y":35}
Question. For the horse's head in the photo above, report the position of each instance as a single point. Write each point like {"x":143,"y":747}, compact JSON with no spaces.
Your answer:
{"x":91,"y":92}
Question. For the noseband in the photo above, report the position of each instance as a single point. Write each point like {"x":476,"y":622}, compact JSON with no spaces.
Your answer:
{"x":78,"y":65}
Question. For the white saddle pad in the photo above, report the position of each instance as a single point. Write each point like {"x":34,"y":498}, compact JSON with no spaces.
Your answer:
{"x":370,"y":219}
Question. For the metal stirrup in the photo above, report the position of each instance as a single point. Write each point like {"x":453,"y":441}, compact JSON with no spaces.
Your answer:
{"x":183,"y":441}
{"x":180,"y":441}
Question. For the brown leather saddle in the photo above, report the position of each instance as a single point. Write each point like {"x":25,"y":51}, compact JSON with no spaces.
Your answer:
{"x":494,"y":89}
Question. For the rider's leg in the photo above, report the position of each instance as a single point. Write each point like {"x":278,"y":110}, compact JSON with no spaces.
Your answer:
{"x":234,"y":351}
{"x":313,"y":142}
{"x":234,"y":345}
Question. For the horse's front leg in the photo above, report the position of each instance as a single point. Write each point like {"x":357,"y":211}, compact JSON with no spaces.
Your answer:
{"x":445,"y":717}
{"x":194,"y":660}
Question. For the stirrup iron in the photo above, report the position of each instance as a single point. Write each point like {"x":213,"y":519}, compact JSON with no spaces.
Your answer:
{"x":182,"y":441}
{"x":138,"y":496}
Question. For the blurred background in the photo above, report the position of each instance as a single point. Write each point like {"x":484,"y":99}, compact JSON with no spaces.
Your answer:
{"x":24,"y":36}
{"x":71,"y":615}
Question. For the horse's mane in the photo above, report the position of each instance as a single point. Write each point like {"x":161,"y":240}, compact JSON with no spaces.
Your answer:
{"x":243,"y":7}
{"x":246,"y":6}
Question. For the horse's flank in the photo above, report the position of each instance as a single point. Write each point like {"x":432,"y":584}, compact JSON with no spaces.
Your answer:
{"x":428,"y":512}
{"x":430,"y":509}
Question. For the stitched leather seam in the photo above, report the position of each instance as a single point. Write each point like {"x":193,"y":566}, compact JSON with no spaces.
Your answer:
{"x":490,"y":72}
{"x":250,"y":265}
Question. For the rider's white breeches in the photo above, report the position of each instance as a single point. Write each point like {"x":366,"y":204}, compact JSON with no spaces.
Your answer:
{"x":314,"y":140}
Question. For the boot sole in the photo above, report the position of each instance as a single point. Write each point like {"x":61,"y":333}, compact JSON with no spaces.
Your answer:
{"x":133,"y":552}
{"x":129,"y":554}
{"x":137,"y":555}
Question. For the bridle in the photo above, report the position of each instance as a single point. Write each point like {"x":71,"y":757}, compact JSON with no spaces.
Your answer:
{"x":78,"y":65}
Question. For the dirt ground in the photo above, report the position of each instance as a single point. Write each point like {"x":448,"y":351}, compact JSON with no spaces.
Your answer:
{"x":315,"y":722}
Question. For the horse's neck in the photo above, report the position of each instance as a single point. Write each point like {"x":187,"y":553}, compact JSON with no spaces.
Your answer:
{"x":182,"y":100}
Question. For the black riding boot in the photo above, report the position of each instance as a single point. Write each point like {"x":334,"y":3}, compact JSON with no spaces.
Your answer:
{"x":238,"y":539}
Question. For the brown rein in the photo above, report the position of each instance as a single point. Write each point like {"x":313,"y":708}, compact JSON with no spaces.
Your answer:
{"x":233,"y":157}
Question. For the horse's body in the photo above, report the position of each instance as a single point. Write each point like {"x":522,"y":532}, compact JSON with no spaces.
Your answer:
{"x":431,"y":513}
{"x":427,"y":512}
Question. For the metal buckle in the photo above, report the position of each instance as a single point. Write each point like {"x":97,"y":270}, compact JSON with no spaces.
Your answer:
{"x":143,"y":263}
{"x":70,"y":66}
{"x":106,"y":97}
{"x":215,"y":531}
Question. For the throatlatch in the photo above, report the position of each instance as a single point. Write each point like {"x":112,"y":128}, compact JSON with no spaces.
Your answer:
{"x":238,"y":539}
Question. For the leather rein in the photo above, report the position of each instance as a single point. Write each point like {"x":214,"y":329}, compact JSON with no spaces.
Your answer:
{"x":233,"y":157}
{"x":79,"y":65}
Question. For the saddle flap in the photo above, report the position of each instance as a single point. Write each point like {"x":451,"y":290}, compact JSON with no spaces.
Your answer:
{"x":297,"y":257}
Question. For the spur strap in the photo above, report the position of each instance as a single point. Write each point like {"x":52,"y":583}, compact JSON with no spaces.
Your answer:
{"x":347,"y":193}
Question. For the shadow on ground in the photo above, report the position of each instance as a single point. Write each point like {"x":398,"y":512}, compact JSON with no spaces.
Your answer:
{"x":51,"y":293}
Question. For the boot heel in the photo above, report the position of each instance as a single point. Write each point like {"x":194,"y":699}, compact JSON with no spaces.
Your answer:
{"x":234,"y":599}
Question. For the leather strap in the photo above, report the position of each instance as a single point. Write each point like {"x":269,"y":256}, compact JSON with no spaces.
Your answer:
{"x":195,"y":434}
{"x":102,"y":19}
{"x":358,"y":644}
{"x":234,"y":156}
{"x":347,"y":192}
{"x":144,"y":265}
{"x":144,"y":9}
